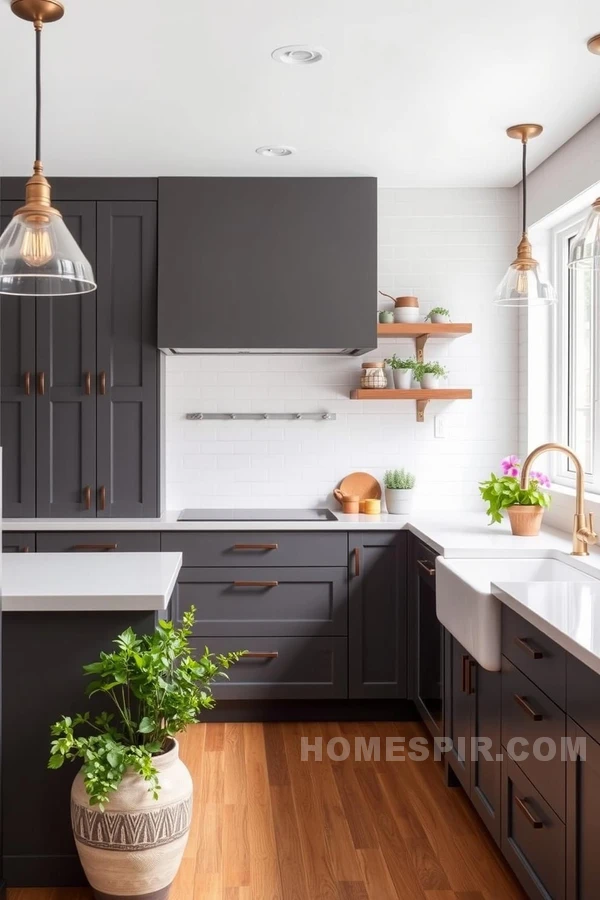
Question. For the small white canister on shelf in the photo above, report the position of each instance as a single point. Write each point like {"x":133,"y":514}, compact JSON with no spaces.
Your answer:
{"x":373,"y":375}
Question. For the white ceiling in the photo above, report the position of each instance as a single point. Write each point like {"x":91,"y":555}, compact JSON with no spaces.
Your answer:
{"x":416,"y":92}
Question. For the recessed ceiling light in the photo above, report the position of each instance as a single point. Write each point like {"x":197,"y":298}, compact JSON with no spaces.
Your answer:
{"x":299,"y":55}
{"x":275,"y":151}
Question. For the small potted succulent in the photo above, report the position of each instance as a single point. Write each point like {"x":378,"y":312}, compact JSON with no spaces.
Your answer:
{"x":402,"y":371}
{"x":525,"y":506}
{"x":438,"y":314}
{"x":429,"y":374}
{"x":399,"y":486}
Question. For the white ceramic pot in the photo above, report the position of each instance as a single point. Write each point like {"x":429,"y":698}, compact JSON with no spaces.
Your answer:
{"x":406,"y":314}
{"x":398,"y":503}
{"x":403,"y":379}
{"x":437,"y":317}
{"x":134,"y":848}
{"x":430,"y":382}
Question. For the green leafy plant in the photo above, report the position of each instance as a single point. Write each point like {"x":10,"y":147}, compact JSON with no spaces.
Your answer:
{"x":437,"y":311}
{"x":429,"y":368}
{"x":395,"y":363}
{"x":157,"y":687}
{"x":500,"y":492}
{"x":399,"y":480}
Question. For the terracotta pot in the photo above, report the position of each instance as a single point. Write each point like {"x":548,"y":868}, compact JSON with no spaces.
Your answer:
{"x":134,"y":848}
{"x":525,"y":521}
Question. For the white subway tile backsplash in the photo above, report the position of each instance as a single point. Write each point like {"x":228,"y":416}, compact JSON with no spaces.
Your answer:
{"x":451,"y":248}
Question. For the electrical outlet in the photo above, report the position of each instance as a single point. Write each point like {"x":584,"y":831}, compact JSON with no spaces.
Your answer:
{"x":439,"y":427}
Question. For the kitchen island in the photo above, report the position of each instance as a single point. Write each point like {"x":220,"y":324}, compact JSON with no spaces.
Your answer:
{"x":59,"y":612}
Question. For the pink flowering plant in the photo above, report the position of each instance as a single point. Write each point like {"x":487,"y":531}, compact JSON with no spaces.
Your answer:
{"x":502,"y":491}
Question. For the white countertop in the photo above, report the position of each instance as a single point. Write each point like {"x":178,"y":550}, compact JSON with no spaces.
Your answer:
{"x":88,"y":582}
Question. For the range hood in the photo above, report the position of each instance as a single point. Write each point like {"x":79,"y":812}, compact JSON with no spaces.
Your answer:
{"x":267,"y":266}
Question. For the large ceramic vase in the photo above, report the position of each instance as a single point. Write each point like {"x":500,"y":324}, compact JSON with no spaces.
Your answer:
{"x":134,"y":848}
{"x":525,"y":521}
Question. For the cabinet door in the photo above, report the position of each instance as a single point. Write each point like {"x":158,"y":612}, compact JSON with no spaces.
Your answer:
{"x":457,"y":680}
{"x":127,"y":381}
{"x":583,"y":800}
{"x":18,"y":542}
{"x":17,"y":428}
{"x":486,"y":766}
{"x":427,"y":631}
{"x":377,"y":616}
{"x":66,"y":397}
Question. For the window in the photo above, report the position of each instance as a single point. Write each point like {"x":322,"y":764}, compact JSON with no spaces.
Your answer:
{"x":576,"y":348}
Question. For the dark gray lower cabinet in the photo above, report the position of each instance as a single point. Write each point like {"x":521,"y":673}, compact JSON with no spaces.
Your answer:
{"x":18,"y":542}
{"x":426,"y":638}
{"x":377,"y":615}
{"x":472,"y":722}
{"x":583,"y":803}
{"x":97,"y":541}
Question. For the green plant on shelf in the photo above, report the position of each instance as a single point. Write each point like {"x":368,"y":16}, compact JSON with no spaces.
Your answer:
{"x":399,"y":480}
{"x":437,"y":311}
{"x":429,"y":368}
{"x":395,"y":363}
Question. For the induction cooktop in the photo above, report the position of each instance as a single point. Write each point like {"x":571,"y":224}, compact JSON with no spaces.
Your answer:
{"x":257,"y":515}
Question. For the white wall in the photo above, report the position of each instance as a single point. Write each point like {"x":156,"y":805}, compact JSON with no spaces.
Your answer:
{"x":450,"y":247}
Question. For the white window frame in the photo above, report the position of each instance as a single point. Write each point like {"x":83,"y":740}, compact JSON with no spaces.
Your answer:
{"x":562,"y":470}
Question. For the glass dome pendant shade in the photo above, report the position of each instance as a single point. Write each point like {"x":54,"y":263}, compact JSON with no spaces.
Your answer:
{"x":38,"y":255}
{"x":524,"y":284}
{"x":585,"y":246}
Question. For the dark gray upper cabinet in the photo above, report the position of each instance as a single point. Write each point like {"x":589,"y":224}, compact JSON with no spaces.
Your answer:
{"x":377,"y":615}
{"x":260,"y":263}
{"x":127,"y":360}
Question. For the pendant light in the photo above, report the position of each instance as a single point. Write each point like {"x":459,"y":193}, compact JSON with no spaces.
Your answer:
{"x":585,"y":246}
{"x":38,"y":255}
{"x":524,"y":284}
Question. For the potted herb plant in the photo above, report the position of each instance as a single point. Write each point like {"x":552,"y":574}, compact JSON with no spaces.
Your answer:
{"x":131,"y":801}
{"x":525,"y":506}
{"x":399,"y":486}
{"x":402,"y":371}
{"x":438,"y":314}
{"x":429,"y":374}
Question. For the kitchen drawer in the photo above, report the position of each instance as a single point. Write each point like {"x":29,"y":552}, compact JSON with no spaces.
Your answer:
{"x":295,"y":668}
{"x":88,"y":541}
{"x":533,"y":837}
{"x":258,"y":548}
{"x":266,"y":601}
{"x":522,"y":704}
{"x":18,"y":542}
{"x":534,"y":654}
{"x":583,"y":696}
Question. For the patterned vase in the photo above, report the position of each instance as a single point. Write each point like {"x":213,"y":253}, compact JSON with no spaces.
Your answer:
{"x":134,"y":848}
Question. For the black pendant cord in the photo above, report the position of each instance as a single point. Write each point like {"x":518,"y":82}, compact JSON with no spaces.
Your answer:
{"x":524,"y":182}
{"x":38,"y":94}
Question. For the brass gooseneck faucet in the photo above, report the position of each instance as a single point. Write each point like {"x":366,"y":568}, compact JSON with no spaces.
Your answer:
{"x":583,"y":528}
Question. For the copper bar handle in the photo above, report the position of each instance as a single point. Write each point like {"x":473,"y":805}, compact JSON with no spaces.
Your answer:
{"x":87,"y":497}
{"x":27,"y":383}
{"x":533,"y":821}
{"x":522,"y":702}
{"x":523,"y":644}
{"x":24,"y":549}
{"x":356,"y":556}
{"x":87,"y":380}
{"x":256,"y":546}
{"x":261,"y":654}
{"x":259,"y":584}
{"x":425,"y":565}
{"x":94,"y":548}
{"x":102,"y":383}
{"x":102,"y":498}
{"x":41,"y":383}
{"x":464,"y":664}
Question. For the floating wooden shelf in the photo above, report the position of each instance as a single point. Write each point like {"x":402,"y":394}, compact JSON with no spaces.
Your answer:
{"x":422,"y":331}
{"x":419,"y":394}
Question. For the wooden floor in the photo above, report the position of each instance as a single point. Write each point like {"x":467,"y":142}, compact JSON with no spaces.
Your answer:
{"x":268,"y":826}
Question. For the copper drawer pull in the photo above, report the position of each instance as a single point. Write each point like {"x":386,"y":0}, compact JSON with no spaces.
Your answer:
{"x":94,"y":548}
{"x":533,"y":821}
{"x":522,"y":702}
{"x":24,"y":549}
{"x":87,"y":497}
{"x":356,"y":555}
{"x":27,"y":383}
{"x":258,"y":584}
{"x":523,"y":644}
{"x":261,"y":654}
{"x":87,"y":380}
{"x":256,"y":546}
{"x":425,"y":565}
{"x":102,"y":383}
{"x":102,"y":498}
{"x":41,"y":383}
